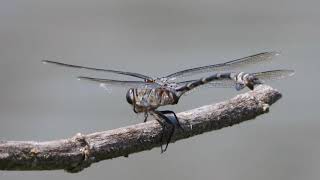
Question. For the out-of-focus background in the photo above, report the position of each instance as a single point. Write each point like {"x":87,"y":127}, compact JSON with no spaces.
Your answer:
{"x":43,"y":102}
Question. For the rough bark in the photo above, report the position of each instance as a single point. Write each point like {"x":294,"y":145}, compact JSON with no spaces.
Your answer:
{"x":76,"y":153}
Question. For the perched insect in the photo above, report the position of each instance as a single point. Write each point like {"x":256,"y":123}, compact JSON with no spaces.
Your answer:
{"x":147,"y":95}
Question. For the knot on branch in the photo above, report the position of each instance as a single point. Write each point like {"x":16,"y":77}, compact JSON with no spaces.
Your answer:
{"x":265,"y":107}
{"x":85,"y":152}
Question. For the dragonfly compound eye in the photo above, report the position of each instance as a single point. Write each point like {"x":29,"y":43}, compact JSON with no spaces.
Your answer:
{"x":129,"y":96}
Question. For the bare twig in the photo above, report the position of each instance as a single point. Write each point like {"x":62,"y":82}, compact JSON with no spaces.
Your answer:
{"x":80,"y":151}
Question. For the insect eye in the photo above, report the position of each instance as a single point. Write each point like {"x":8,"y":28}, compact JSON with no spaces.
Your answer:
{"x":129,"y":96}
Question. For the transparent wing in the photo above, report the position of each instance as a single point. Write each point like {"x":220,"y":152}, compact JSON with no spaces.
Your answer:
{"x":229,"y":83}
{"x":109,"y":83}
{"x":221,"y":83}
{"x":227,"y":66}
{"x":273,"y":75}
{"x":137,"y":75}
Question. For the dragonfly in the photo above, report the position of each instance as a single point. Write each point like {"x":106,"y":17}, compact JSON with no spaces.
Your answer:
{"x":148,"y":94}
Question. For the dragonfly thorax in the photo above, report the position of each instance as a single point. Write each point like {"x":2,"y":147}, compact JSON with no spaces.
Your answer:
{"x":146,"y":99}
{"x":245,"y":79}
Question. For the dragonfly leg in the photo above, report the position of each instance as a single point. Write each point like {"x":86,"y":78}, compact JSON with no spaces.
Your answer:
{"x":145,"y":116}
{"x":176,"y":120}
{"x":168,"y":122}
{"x":169,"y":138}
{"x":134,"y":109}
{"x":162,"y":133}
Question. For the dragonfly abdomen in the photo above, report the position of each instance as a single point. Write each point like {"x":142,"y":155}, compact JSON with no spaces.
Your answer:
{"x":205,"y":80}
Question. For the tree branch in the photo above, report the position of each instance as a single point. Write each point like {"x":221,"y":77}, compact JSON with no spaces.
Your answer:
{"x":80,"y":151}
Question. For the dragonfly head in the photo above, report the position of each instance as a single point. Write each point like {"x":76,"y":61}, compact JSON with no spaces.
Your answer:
{"x":250,"y":81}
{"x":130,"y":96}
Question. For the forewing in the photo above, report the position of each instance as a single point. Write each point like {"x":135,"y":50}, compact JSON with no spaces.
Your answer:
{"x":137,"y":75}
{"x":273,"y":75}
{"x":221,"y":83}
{"x":108,"y":84}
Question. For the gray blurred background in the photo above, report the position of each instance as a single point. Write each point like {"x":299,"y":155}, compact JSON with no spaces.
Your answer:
{"x":42,"y":102}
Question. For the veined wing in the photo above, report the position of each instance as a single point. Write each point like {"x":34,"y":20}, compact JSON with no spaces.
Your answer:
{"x":229,"y":83}
{"x":227,"y":66}
{"x":108,"y":83}
{"x":221,"y":83}
{"x":137,"y":75}
{"x":273,"y":75}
